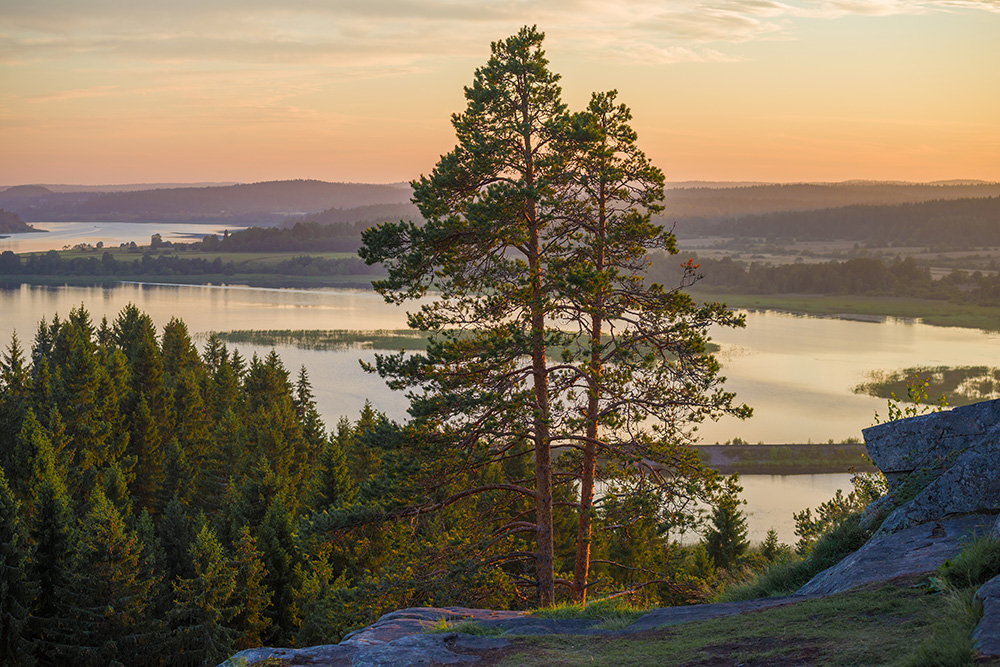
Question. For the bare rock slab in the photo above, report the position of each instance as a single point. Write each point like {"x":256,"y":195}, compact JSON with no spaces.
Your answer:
{"x":400,"y":639}
{"x":912,"y":551}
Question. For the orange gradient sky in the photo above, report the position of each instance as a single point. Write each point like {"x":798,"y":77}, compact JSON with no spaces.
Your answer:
{"x":117,"y":91}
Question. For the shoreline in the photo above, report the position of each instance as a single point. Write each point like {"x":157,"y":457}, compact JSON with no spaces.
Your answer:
{"x":786,"y":459}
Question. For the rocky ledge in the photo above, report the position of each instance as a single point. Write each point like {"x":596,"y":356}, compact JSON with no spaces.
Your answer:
{"x":944,"y":474}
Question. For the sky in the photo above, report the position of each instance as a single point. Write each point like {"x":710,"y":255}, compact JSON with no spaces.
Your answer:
{"x":144,"y":91}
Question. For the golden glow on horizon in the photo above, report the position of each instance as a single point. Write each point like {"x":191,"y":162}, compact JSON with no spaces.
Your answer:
{"x":806,"y":90}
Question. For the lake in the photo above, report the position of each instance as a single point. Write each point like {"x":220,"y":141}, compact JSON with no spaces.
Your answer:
{"x":796,"y":372}
{"x":58,"y":235}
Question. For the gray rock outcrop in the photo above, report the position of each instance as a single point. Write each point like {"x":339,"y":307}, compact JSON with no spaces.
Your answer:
{"x":940,"y":464}
{"x":914,"y":551}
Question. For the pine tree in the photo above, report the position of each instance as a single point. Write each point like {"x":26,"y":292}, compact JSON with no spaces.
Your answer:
{"x":653,"y":373}
{"x":483,"y":250}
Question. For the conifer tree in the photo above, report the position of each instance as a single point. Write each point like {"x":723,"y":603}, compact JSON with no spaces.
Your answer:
{"x":204,"y":605}
{"x":251,"y":597}
{"x":543,"y":332}
{"x":14,"y":393}
{"x":175,"y":534}
{"x":105,"y":603}
{"x":313,"y":431}
{"x":643,"y":375}
{"x":484,"y":250}
{"x":146,"y":446}
{"x":17,"y":593}
{"x":332,"y":484}
{"x":279,"y":551}
{"x":726,"y":538}
{"x":52,"y":529}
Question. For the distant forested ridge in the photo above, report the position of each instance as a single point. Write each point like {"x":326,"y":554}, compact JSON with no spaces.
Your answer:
{"x":287,"y":202}
{"x":371,"y":214}
{"x":720,"y":203}
{"x":11,"y":223}
{"x":267,"y":202}
{"x":301,"y":237}
{"x":862,"y":276}
{"x":952,"y":223}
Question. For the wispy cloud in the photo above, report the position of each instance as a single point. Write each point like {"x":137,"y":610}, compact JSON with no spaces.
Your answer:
{"x":401,"y":32}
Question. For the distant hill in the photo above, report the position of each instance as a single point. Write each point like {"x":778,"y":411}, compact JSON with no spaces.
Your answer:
{"x":373,"y":213}
{"x":711,"y":202}
{"x":265,"y":203}
{"x":272,"y":202}
{"x":11,"y":223}
{"x":957,"y":223}
{"x":26,"y":191}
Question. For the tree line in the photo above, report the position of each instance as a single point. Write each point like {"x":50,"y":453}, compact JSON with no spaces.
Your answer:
{"x":52,"y":263}
{"x":308,"y":236}
{"x":861,"y":276}
{"x":955,"y":223}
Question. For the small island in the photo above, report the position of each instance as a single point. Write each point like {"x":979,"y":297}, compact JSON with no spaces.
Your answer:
{"x":11,"y":223}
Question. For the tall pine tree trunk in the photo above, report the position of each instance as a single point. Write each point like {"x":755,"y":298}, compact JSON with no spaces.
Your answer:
{"x":581,"y":568}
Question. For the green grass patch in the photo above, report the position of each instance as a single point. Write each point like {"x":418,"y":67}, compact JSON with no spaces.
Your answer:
{"x":465,"y":627}
{"x":949,"y":642}
{"x":871,"y":627}
{"x":613,"y":614}
{"x":977,"y":563}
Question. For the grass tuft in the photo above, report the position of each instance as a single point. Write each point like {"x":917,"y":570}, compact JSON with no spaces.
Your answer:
{"x":949,"y":643}
{"x":786,"y":577}
{"x":614,"y":613}
{"x":978,"y":562}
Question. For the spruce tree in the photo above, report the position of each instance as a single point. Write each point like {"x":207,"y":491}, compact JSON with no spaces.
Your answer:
{"x":726,"y":538}
{"x":204,"y":605}
{"x":17,"y":592}
{"x":105,"y":604}
{"x":251,"y":597}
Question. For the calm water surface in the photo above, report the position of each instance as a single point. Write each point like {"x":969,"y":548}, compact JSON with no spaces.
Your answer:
{"x":58,"y":235}
{"x":796,"y":372}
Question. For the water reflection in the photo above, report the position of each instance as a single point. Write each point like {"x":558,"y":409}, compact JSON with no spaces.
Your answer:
{"x":58,"y":235}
